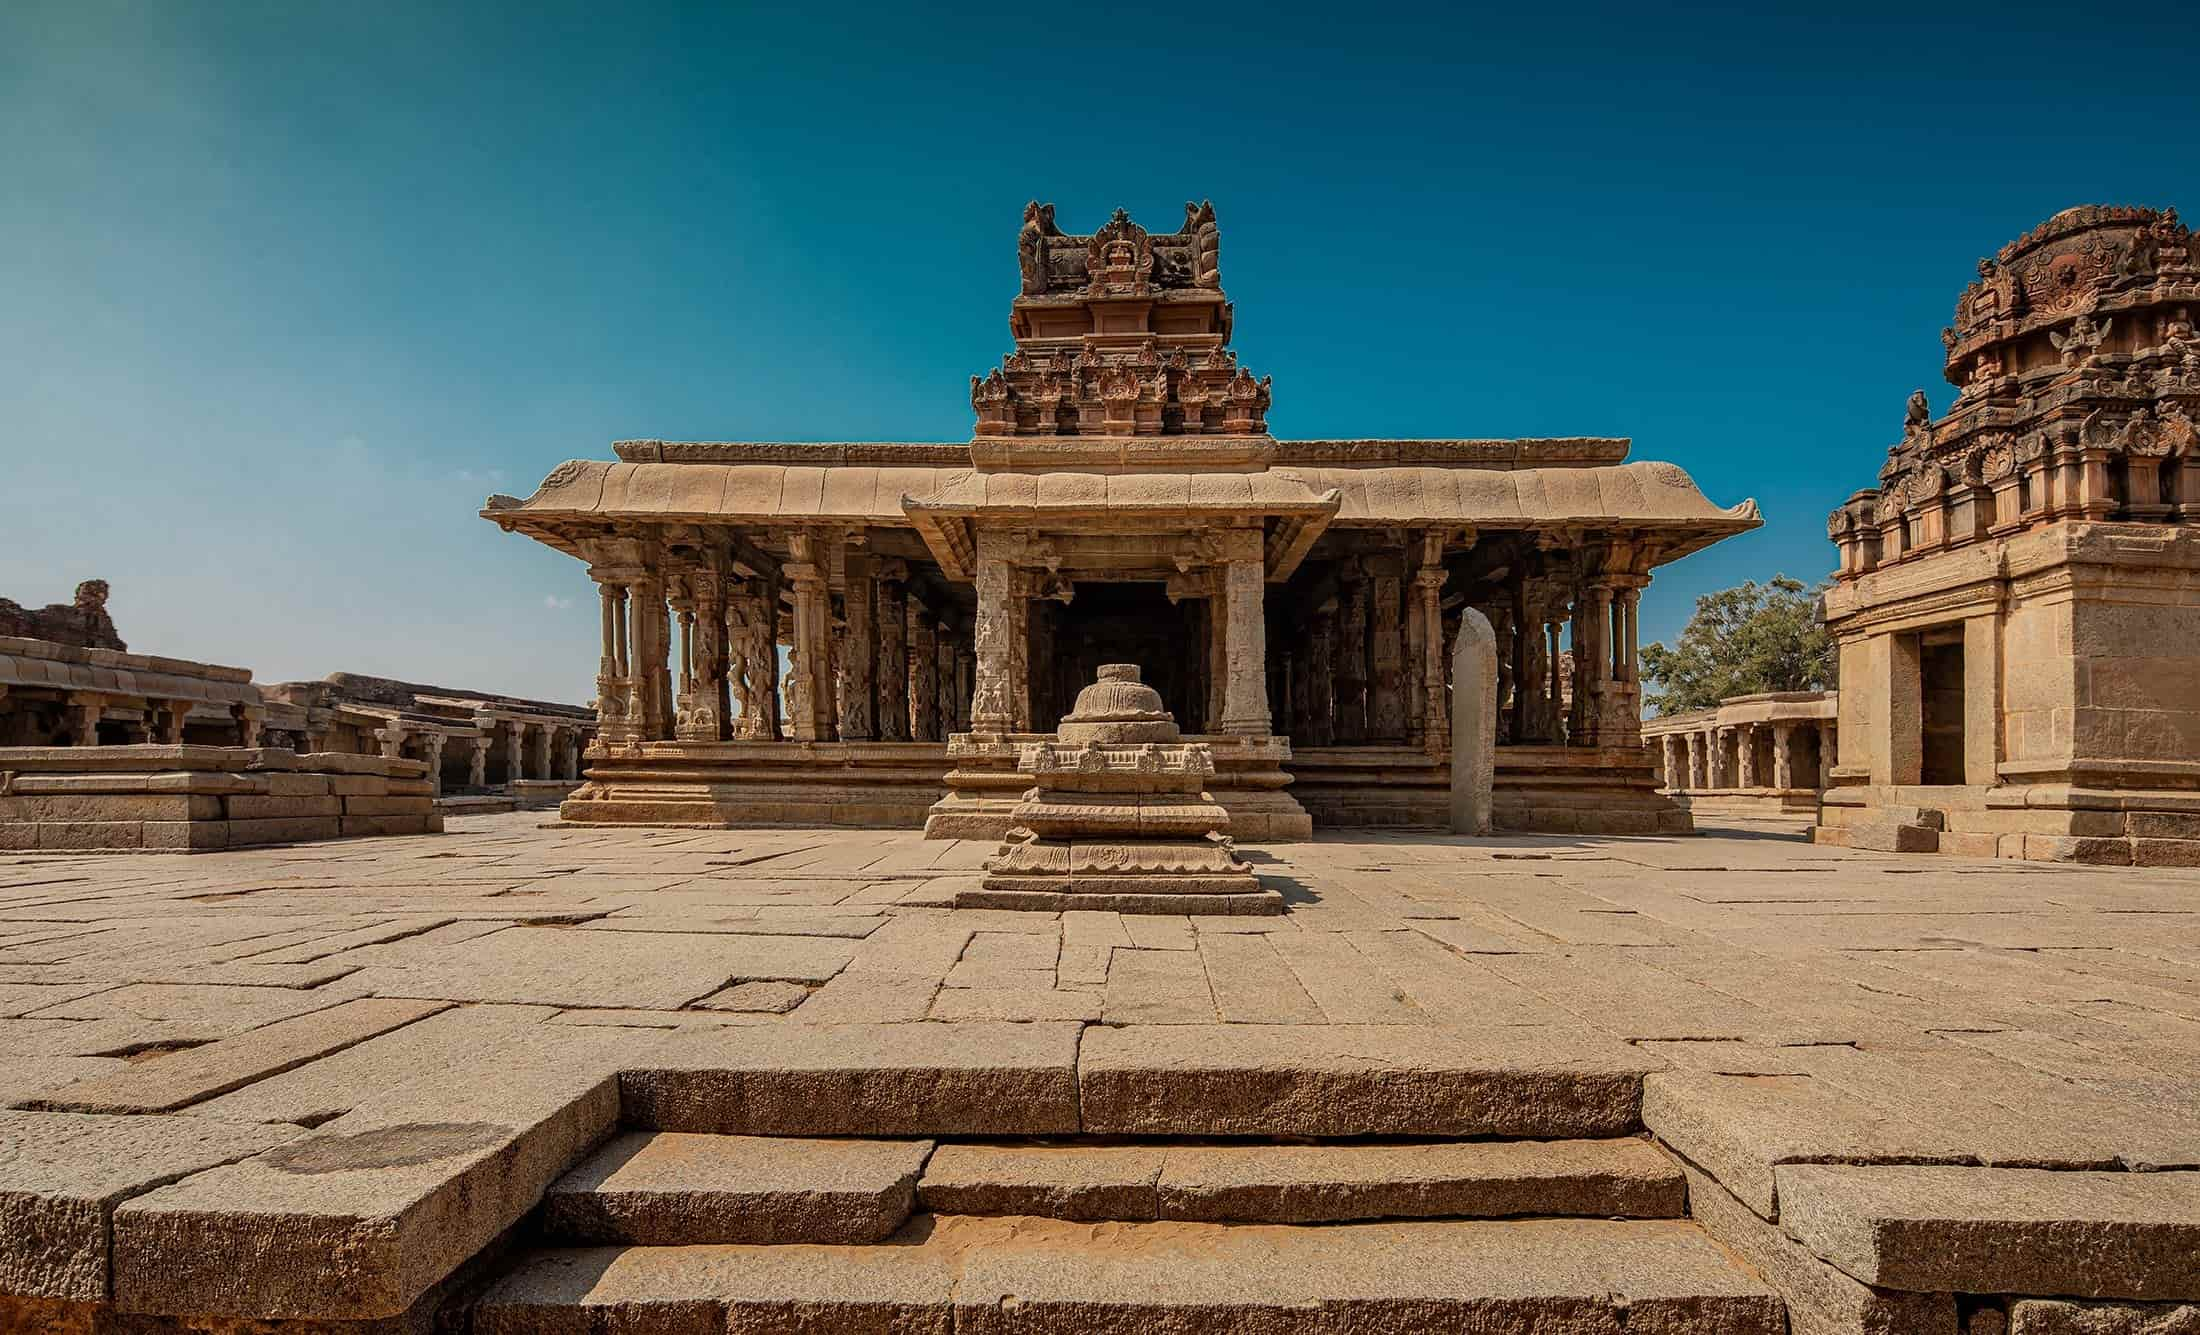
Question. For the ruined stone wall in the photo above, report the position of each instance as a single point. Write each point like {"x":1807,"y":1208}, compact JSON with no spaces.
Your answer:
{"x":83,"y":623}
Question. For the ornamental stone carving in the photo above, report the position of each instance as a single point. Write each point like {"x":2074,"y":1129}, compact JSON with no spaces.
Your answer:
{"x":2075,"y":339}
{"x":1116,"y":817}
{"x":1149,"y":320}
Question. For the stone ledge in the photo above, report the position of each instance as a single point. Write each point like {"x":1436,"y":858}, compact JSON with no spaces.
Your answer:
{"x":359,"y":1218}
{"x":1357,"y":1080}
{"x":1006,"y":1276}
{"x":861,"y":1079}
{"x":2000,"y":1230}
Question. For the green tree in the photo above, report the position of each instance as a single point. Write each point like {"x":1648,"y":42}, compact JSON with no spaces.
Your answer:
{"x":1750,"y":638}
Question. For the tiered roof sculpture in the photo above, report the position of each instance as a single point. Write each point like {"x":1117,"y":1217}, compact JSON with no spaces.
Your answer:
{"x":2078,"y":384}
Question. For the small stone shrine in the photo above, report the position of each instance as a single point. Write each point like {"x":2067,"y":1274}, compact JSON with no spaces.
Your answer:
{"x":2018,"y":603}
{"x":1119,"y":819}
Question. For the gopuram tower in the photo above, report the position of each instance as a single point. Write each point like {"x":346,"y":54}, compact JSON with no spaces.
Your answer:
{"x":869,"y":634}
{"x":2018,"y":600}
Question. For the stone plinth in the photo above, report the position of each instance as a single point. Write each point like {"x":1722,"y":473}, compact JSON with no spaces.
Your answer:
{"x":1118,"y":817}
{"x":1538,"y":790}
{"x":859,"y":785}
{"x":192,"y":799}
{"x":1249,"y":783}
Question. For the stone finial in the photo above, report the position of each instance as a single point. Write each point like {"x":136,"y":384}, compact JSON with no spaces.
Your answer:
{"x":1118,"y":709}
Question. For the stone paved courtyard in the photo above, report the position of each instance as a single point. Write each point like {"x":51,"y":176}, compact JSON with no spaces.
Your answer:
{"x":384,"y":1018}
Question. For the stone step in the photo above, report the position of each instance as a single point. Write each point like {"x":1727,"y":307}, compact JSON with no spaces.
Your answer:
{"x":1551,"y":1082}
{"x":676,"y":1188}
{"x":671,"y":1188}
{"x":2000,"y":1230}
{"x":1013,"y":1275}
{"x":1305,"y":1184}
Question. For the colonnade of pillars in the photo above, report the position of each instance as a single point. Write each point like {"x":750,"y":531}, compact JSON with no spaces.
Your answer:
{"x":693,"y":654}
{"x":1801,"y":754}
{"x":159,"y":721}
{"x":1369,"y":665}
{"x":533,"y":751}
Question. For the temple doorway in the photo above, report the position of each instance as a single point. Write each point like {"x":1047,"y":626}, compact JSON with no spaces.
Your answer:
{"x":1120,"y":622}
{"x":1940,"y":669}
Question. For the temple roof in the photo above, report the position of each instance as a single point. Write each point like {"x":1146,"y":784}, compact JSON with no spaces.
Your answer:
{"x":1637,"y":495}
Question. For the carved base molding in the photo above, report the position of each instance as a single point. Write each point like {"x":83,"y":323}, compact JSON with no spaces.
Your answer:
{"x":1539,"y":790}
{"x":857,"y":785}
{"x":1249,"y":783}
{"x":1748,"y":803}
{"x":2158,"y":827}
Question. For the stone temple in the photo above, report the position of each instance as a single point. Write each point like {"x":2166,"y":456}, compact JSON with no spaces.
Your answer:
{"x":536,"y":1078}
{"x":1120,"y":501}
{"x":2018,"y":603}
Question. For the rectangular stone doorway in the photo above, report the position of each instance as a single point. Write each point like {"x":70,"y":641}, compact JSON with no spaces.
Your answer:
{"x":1940,"y":673}
{"x":1120,"y":622}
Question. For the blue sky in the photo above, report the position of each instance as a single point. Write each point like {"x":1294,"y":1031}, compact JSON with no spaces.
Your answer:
{"x":292,"y":286}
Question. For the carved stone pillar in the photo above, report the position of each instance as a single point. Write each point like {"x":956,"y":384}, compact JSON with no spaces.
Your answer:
{"x":1500,"y":618}
{"x":992,"y":699}
{"x":477,"y":762}
{"x":2095,"y":500}
{"x":538,"y":762}
{"x":84,"y":709}
{"x":1672,"y":762}
{"x":1428,"y":585}
{"x":1351,"y":678}
{"x":683,"y":657}
{"x":966,"y":671}
{"x":611,"y":684}
{"x":751,"y":614}
{"x":1416,"y":654}
{"x":248,"y":723}
{"x":168,"y":717}
{"x":1244,"y":589}
{"x":515,"y":738}
{"x":859,"y":652}
{"x":1745,"y":751}
{"x":1828,"y":753}
{"x":1023,"y":625}
{"x":1386,"y":689}
{"x":943,"y":685}
{"x":713,"y":699}
{"x":431,"y":750}
{"x":646,"y":674}
{"x":893,"y":657}
{"x":1694,"y":763}
{"x":1592,"y":624}
{"x":1555,"y":679}
{"x":924,"y":674}
{"x":809,"y":685}
{"x":1783,"y":755}
{"x":392,"y":737}
{"x":1316,"y":724}
{"x":1534,"y":693}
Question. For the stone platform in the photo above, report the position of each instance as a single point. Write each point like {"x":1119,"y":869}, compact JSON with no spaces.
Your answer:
{"x":193,"y":799}
{"x":527,"y":1079}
